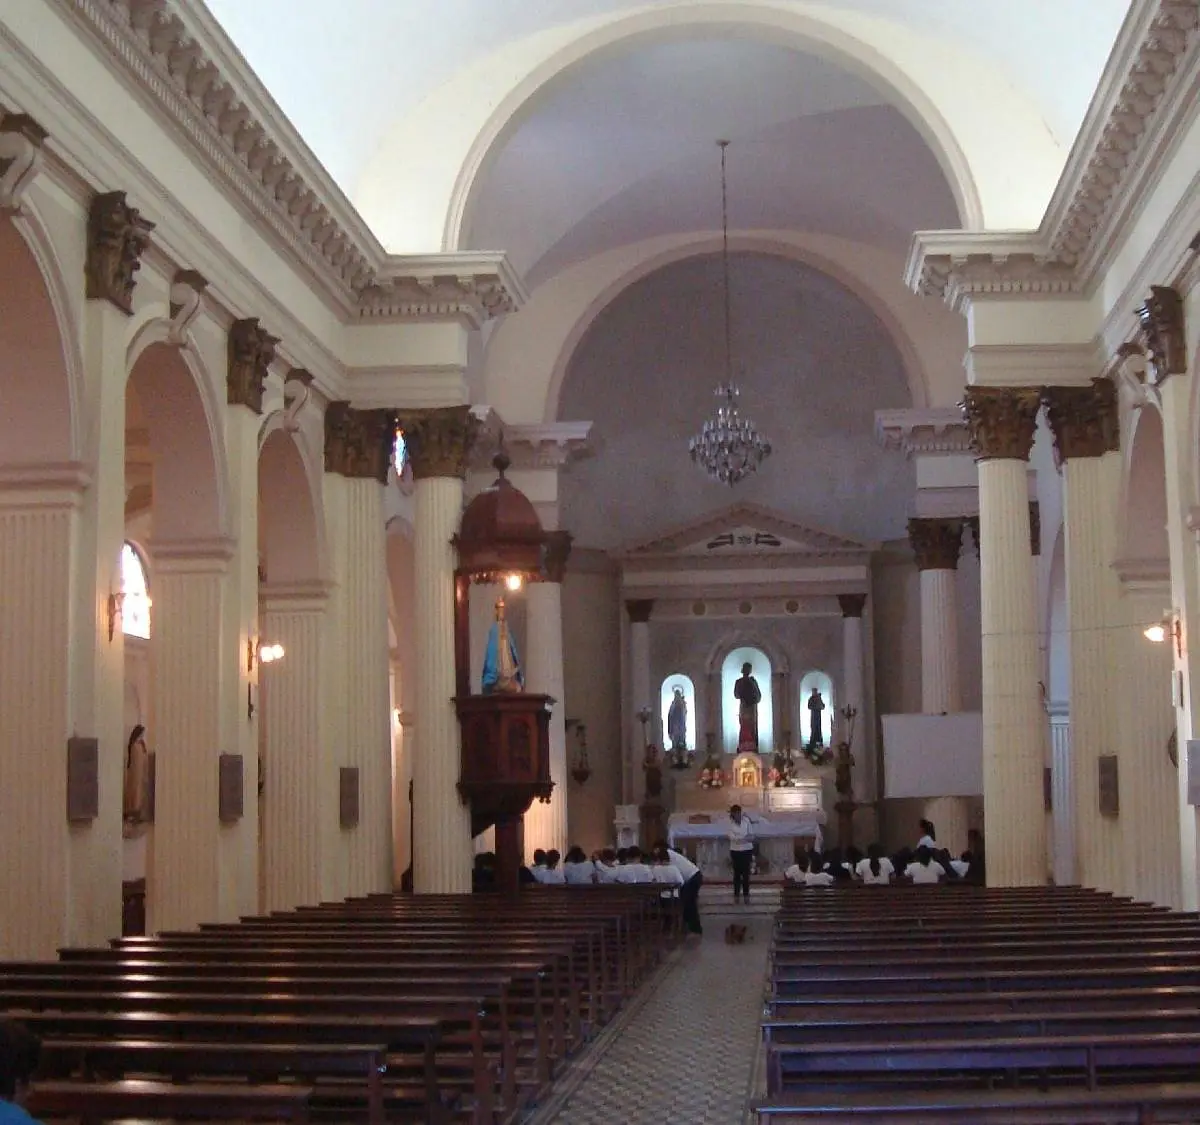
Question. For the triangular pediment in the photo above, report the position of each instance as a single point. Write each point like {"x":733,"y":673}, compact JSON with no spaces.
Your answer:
{"x":747,"y":529}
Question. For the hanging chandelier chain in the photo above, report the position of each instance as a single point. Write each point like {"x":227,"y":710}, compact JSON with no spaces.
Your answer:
{"x":725,"y":266}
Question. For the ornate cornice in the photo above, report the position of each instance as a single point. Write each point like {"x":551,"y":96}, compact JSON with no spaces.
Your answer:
{"x":923,"y":431}
{"x":117,"y":237}
{"x":1084,"y":420}
{"x":936,"y":543}
{"x":250,"y":352}
{"x":177,"y":57}
{"x":1151,"y":62}
{"x":1002,"y":421}
{"x":439,"y":441}
{"x":548,"y":445}
{"x":359,"y":443}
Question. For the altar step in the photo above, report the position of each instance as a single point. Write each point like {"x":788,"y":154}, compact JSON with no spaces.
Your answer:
{"x":718,"y":897}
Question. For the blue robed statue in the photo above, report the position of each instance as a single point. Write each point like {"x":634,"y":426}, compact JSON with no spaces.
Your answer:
{"x":501,"y":668}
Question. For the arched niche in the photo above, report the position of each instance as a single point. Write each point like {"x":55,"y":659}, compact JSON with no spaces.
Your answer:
{"x":731,"y":670}
{"x":667,"y":696}
{"x":287,"y":525}
{"x":823,"y":682}
{"x":1143,"y":531}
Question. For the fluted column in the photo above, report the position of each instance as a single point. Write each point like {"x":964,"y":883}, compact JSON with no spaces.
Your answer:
{"x":1086,"y":440}
{"x":852,"y":606}
{"x":36,"y":522}
{"x":546,"y":824}
{"x":1145,"y":723}
{"x":1002,"y":422}
{"x":184,"y":878}
{"x":936,"y":544}
{"x":296,"y":766}
{"x":438,"y":443}
{"x":641,"y":690}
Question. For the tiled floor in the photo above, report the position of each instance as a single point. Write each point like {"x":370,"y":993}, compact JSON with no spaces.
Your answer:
{"x":685,"y":1053}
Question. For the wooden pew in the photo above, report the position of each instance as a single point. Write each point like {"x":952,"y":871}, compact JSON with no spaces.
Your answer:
{"x":136,"y":1098}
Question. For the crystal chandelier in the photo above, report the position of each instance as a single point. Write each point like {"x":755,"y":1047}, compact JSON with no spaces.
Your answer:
{"x":728,"y":447}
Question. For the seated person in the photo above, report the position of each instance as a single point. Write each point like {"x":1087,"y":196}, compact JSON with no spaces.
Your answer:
{"x":797,"y":872}
{"x":19,"y":1051}
{"x":876,"y":869}
{"x":665,"y":872}
{"x":607,"y":864}
{"x":539,"y":864}
{"x":483,"y":877}
{"x":924,"y":868}
{"x":837,"y":867}
{"x":553,"y":875}
{"x":577,"y":868}
{"x":633,"y":870}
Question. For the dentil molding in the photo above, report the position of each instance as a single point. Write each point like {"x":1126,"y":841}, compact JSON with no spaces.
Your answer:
{"x":1119,"y":145}
{"x":923,"y":430}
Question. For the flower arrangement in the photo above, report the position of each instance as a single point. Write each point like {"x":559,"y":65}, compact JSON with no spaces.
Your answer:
{"x":818,"y":755}
{"x":711,"y":774}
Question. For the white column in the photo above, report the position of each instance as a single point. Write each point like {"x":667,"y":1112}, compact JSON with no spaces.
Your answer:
{"x":936,"y":543}
{"x":295,"y":762}
{"x":1003,"y":422}
{"x":184,"y":878}
{"x":37,"y":514}
{"x":1062,"y":814}
{"x":1145,"y":722}
{"x":1086,"y":433}
{"x":852,"y":606}
{"x":438,"y":442}
{"x":546,"y":824}
{"x":639,"y":683}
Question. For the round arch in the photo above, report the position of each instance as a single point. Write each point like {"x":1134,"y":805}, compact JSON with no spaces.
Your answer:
{"x":700,"y":245}
{"x":41,"y":360}
{"x":288,"y":529}
{"x":1142,"y":519}
{"x":798,"y":30}
{"x":746,"y":639}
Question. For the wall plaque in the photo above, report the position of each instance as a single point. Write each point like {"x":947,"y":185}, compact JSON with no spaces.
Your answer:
{"x":1110,"y":800}
{"x":348,"y":796}
{"x":229,"y":788}
{"x":83,"y":779}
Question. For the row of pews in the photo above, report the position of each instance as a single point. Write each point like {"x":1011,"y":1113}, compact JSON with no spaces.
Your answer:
{"x":398,"y":1008}
{"x":958,"y":1003}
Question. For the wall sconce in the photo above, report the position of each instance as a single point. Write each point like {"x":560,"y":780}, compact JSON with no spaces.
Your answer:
{"x":261,"y":653}
{"x":116,"y":605}
{"x":1167,"y":627}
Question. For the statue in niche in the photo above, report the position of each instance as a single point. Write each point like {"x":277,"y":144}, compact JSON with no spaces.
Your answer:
{"x":748,"y":694}
{"x":677,"y":722}
{"x":134,"y":789}
{"x":816,"y":709}
{"x":501,"y":668}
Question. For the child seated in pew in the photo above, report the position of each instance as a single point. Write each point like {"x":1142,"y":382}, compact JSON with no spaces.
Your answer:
{"x":633,"y":870}
{"x":837,"y":867}
{"x":19,"y":1051}
{"x":539,"y":864}
{"x":876,"y":869}
{"x":577,"y":868}
{"x":553,"y":875}
{"x":924,"y":868}
{"x":665,"y":872}
{"x":802,"y":872}
{"x":607,"y":863}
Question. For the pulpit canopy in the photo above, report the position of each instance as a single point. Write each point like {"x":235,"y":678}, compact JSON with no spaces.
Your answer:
{"x":501,"y":535}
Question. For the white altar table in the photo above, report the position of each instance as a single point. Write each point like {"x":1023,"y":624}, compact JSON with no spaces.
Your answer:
{"x":776,"y":837}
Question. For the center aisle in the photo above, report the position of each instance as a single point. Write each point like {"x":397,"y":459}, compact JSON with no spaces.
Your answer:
{"x":685,"y":1053}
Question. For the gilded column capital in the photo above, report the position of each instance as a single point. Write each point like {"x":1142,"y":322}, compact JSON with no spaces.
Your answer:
{"x":117,"y":237}
{"x":359,"y":443}
{"x":852,"y":605}
{"x":250,"y":350}
{"x":439,"y":441}
{"x":1002,"y":421}
{"x":1084,"y":420}
{"x":558,"y":550}
{"x":639,"y":610}
{"x":936,"y":542}
{"x":1163,"y":332}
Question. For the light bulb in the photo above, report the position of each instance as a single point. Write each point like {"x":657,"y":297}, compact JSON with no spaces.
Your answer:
{"x":513,"y":582}
{"x":1156,"y":633}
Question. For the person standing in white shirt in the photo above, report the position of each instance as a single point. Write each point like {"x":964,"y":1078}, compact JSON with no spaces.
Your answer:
{"x":741,"y":852}
{"x":928,"y":836}
{"x":689,"y":892}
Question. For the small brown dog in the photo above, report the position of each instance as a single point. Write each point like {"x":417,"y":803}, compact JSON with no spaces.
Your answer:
{"x":735,"y":934}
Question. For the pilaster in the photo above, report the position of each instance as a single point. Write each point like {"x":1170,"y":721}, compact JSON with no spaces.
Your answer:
{"x":1002,"y":422}
{"x":641,"y":689}
{"x":854,"y":675}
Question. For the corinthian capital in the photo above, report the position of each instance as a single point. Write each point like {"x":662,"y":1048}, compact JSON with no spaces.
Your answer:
{"x":251,"y":350}
{"x":117,"y":236}
{"x":359,"y":443}
{"x":1161,"y":318}
{"x":1083,"y":419}
{"x":936,"y":542}
{"x":439,"y":441}
{"x":1002,"y":421}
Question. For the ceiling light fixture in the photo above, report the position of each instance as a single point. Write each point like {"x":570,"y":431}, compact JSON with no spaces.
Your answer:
{"x":728,"y":447}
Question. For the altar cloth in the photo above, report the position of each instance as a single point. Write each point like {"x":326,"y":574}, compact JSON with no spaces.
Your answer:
{"x":681,"y":827}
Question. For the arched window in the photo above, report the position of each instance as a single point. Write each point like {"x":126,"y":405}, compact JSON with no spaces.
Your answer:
{"x":400,"y":453}
{"x":824,"y":685}
{"x":731,"y":670}
{"x":667,"y":696}
{"x":135,"y":594}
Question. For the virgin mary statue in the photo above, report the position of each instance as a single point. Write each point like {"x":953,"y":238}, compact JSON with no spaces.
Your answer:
{"x":501,"y":668}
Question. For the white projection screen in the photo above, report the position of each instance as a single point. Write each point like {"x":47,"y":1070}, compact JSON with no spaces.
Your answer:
{"x":933,"y":755}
